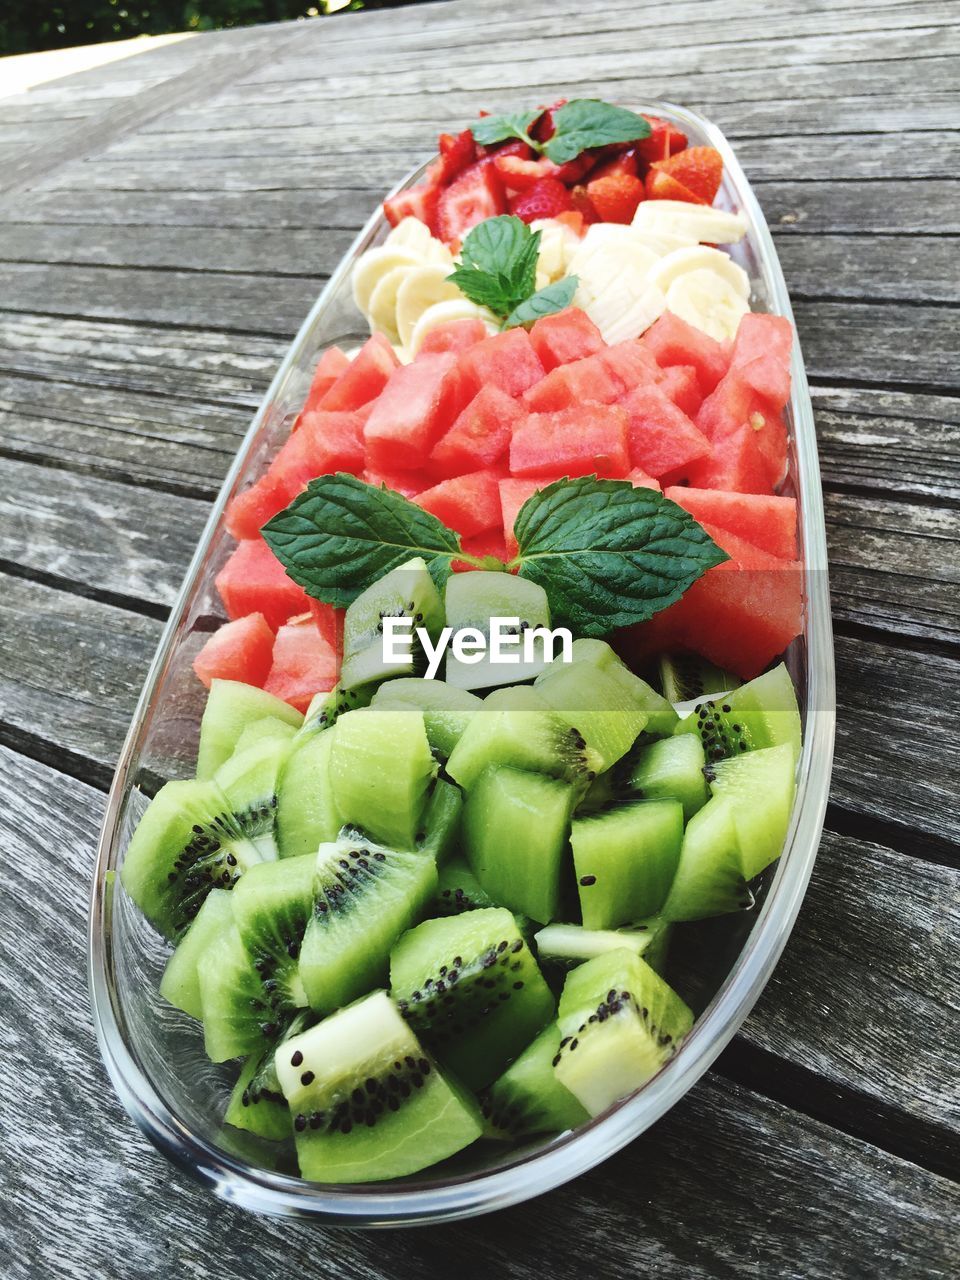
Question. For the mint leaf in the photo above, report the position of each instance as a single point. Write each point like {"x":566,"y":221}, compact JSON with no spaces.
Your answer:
{"x":588,"y":122}
{"x":493,"y":129}
{"x":607,"y":554}
{"x":498,"y":264}
{"x":545,"y":302}
{"x":340,"y":535}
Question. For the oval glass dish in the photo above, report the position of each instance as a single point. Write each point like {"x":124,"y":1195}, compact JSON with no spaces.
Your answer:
{"x":154,"y":1054}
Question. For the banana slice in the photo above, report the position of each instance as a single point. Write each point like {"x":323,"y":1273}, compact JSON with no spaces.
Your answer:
{"x":600,"y":268}
{"x":423,"y":287}
{"x":382,"y":307}
{"x":558,"y":244}
{"x":698,"y":222}
{"x":410,"y":233}
{"x":708,"y":301}
{"x":373,"y":265}
{"x":436,"y":251}
{"x":694,"y":258}
{"x":627,"y":309}
{"x":443,"y":313}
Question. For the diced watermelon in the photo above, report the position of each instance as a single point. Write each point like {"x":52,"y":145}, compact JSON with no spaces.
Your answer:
{"x":253,"y":580}
{"x":365,"y":378}
{"x":330,"y":366}
{"x":761,"y":356}
{"x":303,"y":663}
{"x":581,"y":381}
{"x":417,"y":405}
{"x":505,"y":360}
{"x":591,"y":438}
{"x":681,"y":384}
{"x":631,"y":364}
{"x":769,"y":523}
{"x":409,"y":483}
{"x":491,"y":543}
{"x":735,"y":463}
{"x":240,"y":650}
{"x":470,"y":504}
{"x":673,"y":341}
{"x":640,"y":480}
{"x":455,"y":335}
{"x":480,"y":437}
{"x":329,"y":622}
{"x":249,"y":511}
{"x":662,"y":438}
{"x":566,"y":336}
{"x":734,"y":409}
{"x":513,"y":494}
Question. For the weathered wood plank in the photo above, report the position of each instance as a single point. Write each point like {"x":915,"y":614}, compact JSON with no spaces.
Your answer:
{"x":845,"y":1208}
{"x":878,"y":343}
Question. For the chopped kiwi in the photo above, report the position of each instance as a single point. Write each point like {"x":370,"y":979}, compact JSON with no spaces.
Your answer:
{"x":257,"y":1104}
{"x":250,"y":780}
{"x":307,"y":815}
{"x":602,"y":792}
{"x":515,"y":830}
{"x":240,"y":1014}
{"x":564,"y":946}
{"x":440,"y":825}
{"x":189,"y":841}
{"x":619,"y":1024}
{"x":471,"y":989}
{"x":406,"y":592}
{"x":180,"y":985}
{"x":528,"y":1098}
{"x":325,"y":707}
{"x":517,"y":727}
{"x":760,"y":787}
{"x":257,"y":731}
{"x":231,"y":706}
{"x":661,"y":717}
{"x":271,"y":907}
{"x":684,"y":676}
{"x":760,"y":714}
{"x":365,"y":896}
{"x":458,"y":890}
{"x":446,"y":709}
{"x":625,"y":859}
{"x":597,"y":705}
{"x":368,"y":1102}
{"x":709,"y":879}
{"x":471,"y":601}
{"x":381,"y":768}
{"x":668,"y":769}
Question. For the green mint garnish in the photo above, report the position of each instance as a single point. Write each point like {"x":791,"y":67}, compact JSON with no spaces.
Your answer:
{"x":578,"y":125}
{"x":493,"y":129}
{"x":545,"y":302}
{"x":498,"y":270}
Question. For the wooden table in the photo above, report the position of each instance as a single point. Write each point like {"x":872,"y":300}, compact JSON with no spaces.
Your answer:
{"x":165,"y":223}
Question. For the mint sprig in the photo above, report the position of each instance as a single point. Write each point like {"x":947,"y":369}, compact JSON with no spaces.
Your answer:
{"x":607,"y":554}
{"x":490,"y":130}
{"x":578,"y":125}
{"x":498,"y":270}
{"x":545,"y":302}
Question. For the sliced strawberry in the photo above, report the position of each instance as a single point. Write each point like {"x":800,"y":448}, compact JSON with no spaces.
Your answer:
{"x":582,"y":204}
{"x":664,"y":141}
{"x":475,"y":195}
{"x":662,"y":186}
{"x":574,"y":220}
{"x":545,"y":199}
{"x":615,"y":197}
{"x":544,"y":127}
{"x":520,"y":175}
{"x":624,"y":162}
{"x":457,"y":152}
{"x":700,"y":169}
{"x":417,"y":202}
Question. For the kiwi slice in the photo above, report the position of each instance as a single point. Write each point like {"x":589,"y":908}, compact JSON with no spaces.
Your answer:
{"x":661,"y":717}
{"x":515,"y":829}
{"x":528,"y":1098}
{"x":709,"y":879}
{"x":760,"y":714}
{"x":441,"y":821}
{"x":271,"y":907}
{"x":760,"y":787}
{"x":669,"y":769}
{"x":406,"y":592}
{"x":597,"y":705}
{"x":381,"y":769}
{"x":564,"y":946}
{"x":619,"y":1023}
{"x":180,"y":985}
{"x":189,"y":841}
{"x":257,"y":1104}
{"x":240,"y":1014}
{"x":471,"y":600}
{"x":364,"y":897}
{"x":458,"y":889}
{"x":368,"y":1102}
{"x":517,"y":727}
{"x":684,"y":676}
{"x":231,"y":706}
{"x":307,"y":815}
{"x":446,"y":709}
{"x":325,"y":707}
{"x":250,"y":780}
{"x":270,"y":727}
{"x":471,"y":989}
{"x":625,"y":859}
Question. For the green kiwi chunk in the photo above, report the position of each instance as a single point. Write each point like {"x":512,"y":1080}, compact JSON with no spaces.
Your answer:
{"x":272,"y":905}
{"x":619,"y":1024}
{"x":669,"y":769}
{"x":381,"y":768}
{"x":406,"y":592}
{"x":368,"y":1102}
{"x":307,"y":814}
{"x":625,"y":859}
{"x":471,"y":600}
{"x":250,"y":780}
{"x":760,"y":787}
{"x":709,"y":880}
{"x":257,"y":1104}
{"x":661,"y":717}
{"x":458,"y":889}
{"x":685,"y":676}
{"x":269,"y":728}
{"x":364,"y":896}
{"x":240,"y":1014}
{"x":180,"y":984}
{"x":441,"y":821}
{"x":516,"y":826}
{"x":325,"y":707}
{"x":446,"y":709}
{"x":597,"y":705}
{"x":230,"y":707}
{"x":517,"y":727}
{"x":564,"y":946}
{"x":762,"y":713}
{"x":528,"y":1098}
{"x":470,"y":988}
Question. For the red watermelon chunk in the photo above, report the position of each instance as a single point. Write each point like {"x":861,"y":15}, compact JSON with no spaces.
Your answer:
{"x":303,"y":663}
{"x":573,"y":384}
{"x":330,"y":366}
{"x":761,"y":356}
{"x":681,"y":384}
{"x":505,"y":360}
{"x":564,"y":337}
{"x":240,"y":650}
{"x":253,"y":580}
{"x":662,"y":438}
{"x":249,"y":511}
{"x":513,"y":494}
{"x":736,"y":463}
{"x":455,"y":335}
{"x":766,"y":522}
{"x":672,"y":341}
{"x":490,"y":543}
{"x":365,"y":378}
{"x":573,"y":442}
{"x":480,"y":436}
{"x":631,"y":364}
{"x":417,"y":405}
{"x":469,"y":504}
{"x":408,"y":483}
{"x":640,"y":480}
{"x":329,"y":622}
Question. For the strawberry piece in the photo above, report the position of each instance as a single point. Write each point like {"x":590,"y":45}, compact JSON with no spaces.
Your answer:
{"x":473,"y":196}
{"x":582,"y":204}
{"x":519,"y":174}
{"x":663,"y":186}
{"x":544,"y":127}
{"x":615,"y":197}
{"x":623,"y":163}
{"x":664,"y":141}
{"x":470,"y":504}
{"x":545,"y":199}
{"x":699,"y":169}
{"x":574,"y":220}
{"x":416,"y":202}
{"x":456,"y":153}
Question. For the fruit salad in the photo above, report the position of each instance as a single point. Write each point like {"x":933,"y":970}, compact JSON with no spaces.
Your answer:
{"x":498,"y":702}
